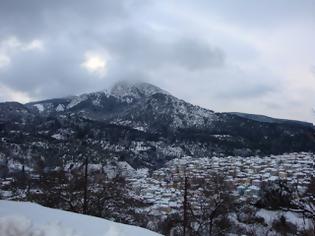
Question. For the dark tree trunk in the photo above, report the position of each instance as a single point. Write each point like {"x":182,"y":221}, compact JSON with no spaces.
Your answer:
{"x":185,"y":206}
{"x":85,"y":186}
{"x":210,"y":227}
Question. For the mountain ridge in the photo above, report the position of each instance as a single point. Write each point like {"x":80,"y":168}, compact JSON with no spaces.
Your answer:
{"x":144,"y":128}
{"x":130,"y":91}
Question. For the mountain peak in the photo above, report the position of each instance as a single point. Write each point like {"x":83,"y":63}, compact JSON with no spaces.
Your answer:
{"x":130,"y":91}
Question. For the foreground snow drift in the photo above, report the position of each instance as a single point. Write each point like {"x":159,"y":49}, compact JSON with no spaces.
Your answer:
{"x":29,"y":219}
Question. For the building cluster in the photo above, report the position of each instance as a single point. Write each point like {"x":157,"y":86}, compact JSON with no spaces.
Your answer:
{"x":163,"y":188}
{"x":244,"y":176}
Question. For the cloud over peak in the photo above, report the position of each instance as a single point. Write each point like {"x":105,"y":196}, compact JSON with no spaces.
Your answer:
{"x":241,"y":55}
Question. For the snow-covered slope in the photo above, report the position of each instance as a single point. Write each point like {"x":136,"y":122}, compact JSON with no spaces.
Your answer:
{"x":131,"y":91}
{"x":140,"y":112}
{"x":29,"y":219}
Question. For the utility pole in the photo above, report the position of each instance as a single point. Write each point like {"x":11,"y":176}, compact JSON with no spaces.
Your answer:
{"x":185,"y":205}
{"x":85,"y":186}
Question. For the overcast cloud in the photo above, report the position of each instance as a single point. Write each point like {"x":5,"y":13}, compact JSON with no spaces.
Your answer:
{"x":248,"y":56}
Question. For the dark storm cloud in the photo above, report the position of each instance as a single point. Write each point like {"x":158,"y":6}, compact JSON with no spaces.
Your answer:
{"x":145,"y":49}
{"x":36,"y":17}
{"x":71,"y":29}
{"x":212,"y":52}
{"x":63,"y":27}
{"x":53,"y":72}
{"x":57,"y":70}
{"x":195,"y":55}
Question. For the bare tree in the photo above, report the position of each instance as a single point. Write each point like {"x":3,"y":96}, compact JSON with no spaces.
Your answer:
{"x":306,"y":203}
{"x":85,"y":205}
{"x":276,"y":196}
{"x":209,"y":205}
{"x":185,"y":206}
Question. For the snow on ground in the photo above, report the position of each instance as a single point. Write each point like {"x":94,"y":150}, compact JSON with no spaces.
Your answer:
{"x":40,"y":107}
{"x":60,"y":107}
{"x":29,"y":219}
{"x":57,"y":136}
{"x":292,"y":217}
{"x":76,"y":100}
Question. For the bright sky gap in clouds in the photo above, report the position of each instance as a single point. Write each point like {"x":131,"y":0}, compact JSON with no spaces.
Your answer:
{"x":95,"y":63}
{"x":248,"y":56}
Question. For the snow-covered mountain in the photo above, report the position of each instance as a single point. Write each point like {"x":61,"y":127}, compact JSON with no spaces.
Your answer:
{"x":29,"y":219}
{"x":137,"y":105}
{"x":131,"y":91}
{"x":141,"y":124}
{"x":133,"y":104}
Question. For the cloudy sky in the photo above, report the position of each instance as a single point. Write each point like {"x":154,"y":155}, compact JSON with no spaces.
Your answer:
{"x":227,"y":55}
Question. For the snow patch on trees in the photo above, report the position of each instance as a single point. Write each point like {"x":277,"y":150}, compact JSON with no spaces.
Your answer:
{"x":40,"y":107}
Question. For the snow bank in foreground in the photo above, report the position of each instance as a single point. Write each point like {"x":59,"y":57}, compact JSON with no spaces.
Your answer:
{"x":29,"y":219}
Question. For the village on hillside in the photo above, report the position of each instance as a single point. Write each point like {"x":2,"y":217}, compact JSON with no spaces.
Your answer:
{"x":244,"y":176}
